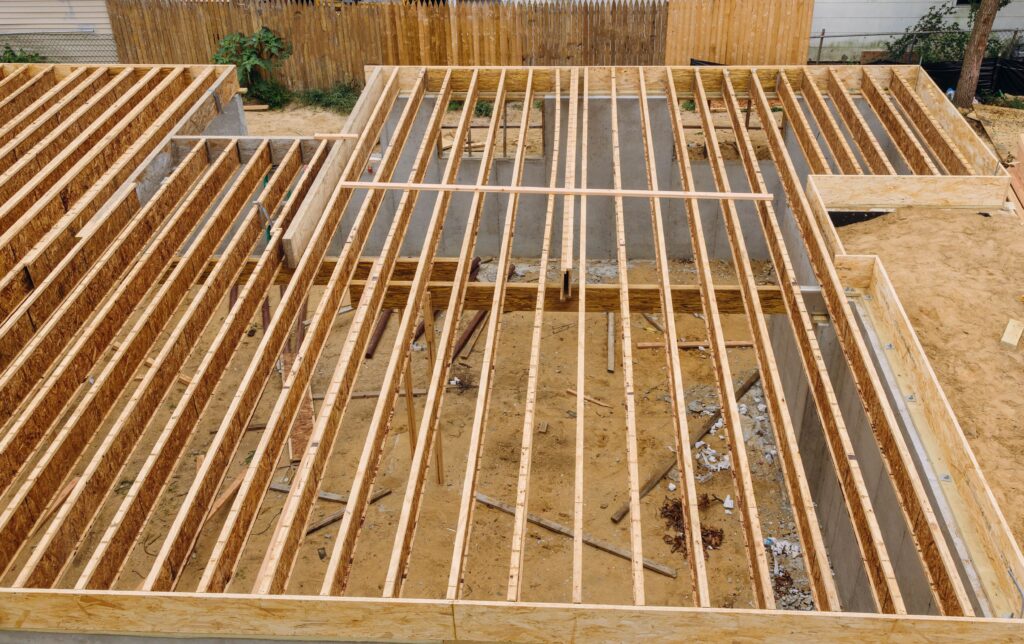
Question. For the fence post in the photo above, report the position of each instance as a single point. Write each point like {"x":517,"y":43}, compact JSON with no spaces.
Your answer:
{"x":821,"y":45}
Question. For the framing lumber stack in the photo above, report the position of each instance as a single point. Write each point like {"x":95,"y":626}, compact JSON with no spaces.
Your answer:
{"x":125,"y":305}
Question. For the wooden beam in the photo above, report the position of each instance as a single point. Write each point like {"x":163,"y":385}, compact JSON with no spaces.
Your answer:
{"x":236,"y":529}
{"x":579,"y":451}
{"x":834,"y":137}
{"x":764,"y":596}
{"x":29,"y":367}
{"x":798,"y":121}
{"x":339,"y":563}
{"x":299,"y":235}
{"x":854,"y":121}
{"x":183,"y":532}
{"x":920,"y":517}
{"x":632,"y":456}
{"x":942,"y":144}
{"x":569,"y":203}
{"x":906,"y":143}
{"x":51,"y":555}
{"x":205,"y":615}
{"x":464,"y":522}
{"x":618,"y":193}
{"x":823,"y":586}
{"x":884,"y":587}
{"x":518,"y":544}
{"x":676,"y":385}
{"x":439,"y":375}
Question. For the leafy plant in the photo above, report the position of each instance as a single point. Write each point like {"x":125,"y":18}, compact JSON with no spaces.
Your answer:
{"x":269,"y":91}
{"x":938,"y":37}
{"x":341,"y":98}
{"x":688,"y":105}
{"x":10,"y":55}
{"x":256,"y":56}
{"x":483,"y":108}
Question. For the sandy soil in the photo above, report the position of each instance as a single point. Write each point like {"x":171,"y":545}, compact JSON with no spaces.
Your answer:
{"x":1002,"y":125}
{"x":958,"y":275}
{"x":294,"y":120}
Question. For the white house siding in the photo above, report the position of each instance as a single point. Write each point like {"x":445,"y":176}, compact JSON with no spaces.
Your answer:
{"x":874,"y":16}
{"x":73,"y":31}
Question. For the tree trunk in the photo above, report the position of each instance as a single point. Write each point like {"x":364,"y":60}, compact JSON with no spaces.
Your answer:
{"x":971,"y":70}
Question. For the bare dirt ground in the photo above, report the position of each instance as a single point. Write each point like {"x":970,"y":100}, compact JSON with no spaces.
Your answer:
{"x":1002,"y":126}
{"x":958,"y":275}
{"x":294,"y":120}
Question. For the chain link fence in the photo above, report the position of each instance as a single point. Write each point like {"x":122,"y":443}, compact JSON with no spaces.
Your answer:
{"x":68,"y":47}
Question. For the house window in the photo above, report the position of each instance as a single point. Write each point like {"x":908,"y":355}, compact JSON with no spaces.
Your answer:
{"x":508,"y":130}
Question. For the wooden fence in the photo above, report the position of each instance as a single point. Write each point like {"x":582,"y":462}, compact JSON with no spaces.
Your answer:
{"x":333,"y":43}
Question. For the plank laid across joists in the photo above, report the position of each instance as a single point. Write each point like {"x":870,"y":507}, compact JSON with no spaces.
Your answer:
{"x":153,"y":279}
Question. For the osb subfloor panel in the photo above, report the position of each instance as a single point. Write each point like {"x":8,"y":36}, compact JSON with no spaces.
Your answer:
{"x":958,"y":275}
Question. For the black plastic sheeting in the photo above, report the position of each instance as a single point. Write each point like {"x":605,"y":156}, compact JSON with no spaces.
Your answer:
{"x":997,"y":75}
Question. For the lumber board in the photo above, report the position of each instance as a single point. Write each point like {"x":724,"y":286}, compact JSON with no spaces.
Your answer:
{"x":339,"y":562}
{"x":930,"y":543}
{"x":184,"y":531}
{"x":29,"y":114}
{"x":205,"y":615}
{"x":941,"y":144}
{"x":834,"y":137}
{"x":300,"y":233}
{"x":439,"y":374}
{"x":798,"y":121}
{"x":29,"y":366}
{"x":854,"y":121}
{"x":909,"y":147}
{"x":51,"y":554}
{"x":996,"y":557}
{"x":764,"y":596}
{"x":688,"y":487}
{"x":238,"y":526}
{"x":492,"y":335}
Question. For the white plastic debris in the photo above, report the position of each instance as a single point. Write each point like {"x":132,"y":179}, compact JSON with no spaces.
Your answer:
{"x":782,"y":547}
{"x":728,"y":503}
{"x":671,"y":487}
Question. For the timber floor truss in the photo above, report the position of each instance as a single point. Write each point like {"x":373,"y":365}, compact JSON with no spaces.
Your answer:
{"x":133,"y":476}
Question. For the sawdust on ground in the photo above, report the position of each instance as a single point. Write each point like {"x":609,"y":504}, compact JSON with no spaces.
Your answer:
{"x":959,"y":277}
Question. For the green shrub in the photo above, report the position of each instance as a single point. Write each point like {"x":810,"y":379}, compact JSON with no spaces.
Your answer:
{"x":271,"y":92}
{"x":341,"y":98}
{"x":9,"y":55}
{"x":483,"y":108}
{"x":256,"y":56}
{"x":948,"y":40}
{"x":688,"y":106}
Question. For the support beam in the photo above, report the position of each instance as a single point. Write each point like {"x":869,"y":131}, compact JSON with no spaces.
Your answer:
{"x":928,"y":538}
{"x":676,"y":386}
{"x":906,"y":143}
{"x":463,"y":527}
{"x":865,"y":141}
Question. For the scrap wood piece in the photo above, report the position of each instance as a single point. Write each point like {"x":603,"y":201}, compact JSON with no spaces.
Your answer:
{"x":662,"y":472}
{"x":302,"y":425}
{"x":1011,"y":336}
{"x":323,"y":496}
{"x":696,"y":344}
{"x":149,"y":362}
{"x":590,"y":399}
{"x":334,"y":517}
{"x":611,"y":341}
{"x":57,"y":502}
{"x":228,"y":493}
{"x":378,"y":332}
{"x":653,"y":322}
{"x":558,"y":528}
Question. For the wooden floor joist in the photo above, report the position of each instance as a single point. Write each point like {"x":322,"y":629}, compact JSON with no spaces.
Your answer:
{"x":140,"y":330}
